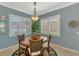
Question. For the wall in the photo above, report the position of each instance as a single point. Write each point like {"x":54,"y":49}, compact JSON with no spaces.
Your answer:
{"x":5,"y":40}
{"x":68,"y":36}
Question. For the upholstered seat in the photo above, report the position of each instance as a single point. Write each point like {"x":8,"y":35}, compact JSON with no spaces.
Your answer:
{"x":25,"y":42}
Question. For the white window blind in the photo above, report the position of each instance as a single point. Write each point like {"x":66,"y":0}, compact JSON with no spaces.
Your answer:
{"x":2,"y":24}
{"x":51,"y":25}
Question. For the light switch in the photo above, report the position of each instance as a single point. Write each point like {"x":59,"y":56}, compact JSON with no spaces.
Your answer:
{"x":77,"y":33}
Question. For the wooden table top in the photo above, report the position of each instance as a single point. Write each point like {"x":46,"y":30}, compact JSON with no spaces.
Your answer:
{"x":26,"y":41}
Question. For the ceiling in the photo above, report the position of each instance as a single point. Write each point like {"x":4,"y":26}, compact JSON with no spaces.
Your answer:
{"x":42,"y":7}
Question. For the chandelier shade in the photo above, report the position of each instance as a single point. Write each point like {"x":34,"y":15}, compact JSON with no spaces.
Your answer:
{"x":35,"y":18}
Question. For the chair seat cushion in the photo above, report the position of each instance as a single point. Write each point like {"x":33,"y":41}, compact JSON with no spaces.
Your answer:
{"x":34,"y":53}
{"x":25,"y":43}
{"x":45,"y":44}
{"x":24,"y":47}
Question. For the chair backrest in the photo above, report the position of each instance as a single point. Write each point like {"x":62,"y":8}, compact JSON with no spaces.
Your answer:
{"x":49,"y":40}
{"x":36,"y":45}
{"x":20,"y":37}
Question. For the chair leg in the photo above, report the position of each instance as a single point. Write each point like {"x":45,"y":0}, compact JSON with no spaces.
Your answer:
{"x":42,"y":53}
{"x":48,"y":50}
{"x":26,"y":51}
{"x":53,"y":51}
{"x":19,"y":51}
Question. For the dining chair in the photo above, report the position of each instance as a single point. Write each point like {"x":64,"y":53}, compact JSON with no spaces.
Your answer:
{"x":22,"y":46}
{"x":47,"y":47}
{"x":36,"y":47}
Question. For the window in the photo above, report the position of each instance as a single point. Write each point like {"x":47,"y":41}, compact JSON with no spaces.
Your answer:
{"x":44,"y":26}
{"x":2,"y":23}
{"x":51,"y":25}
{"x":19,"y":24}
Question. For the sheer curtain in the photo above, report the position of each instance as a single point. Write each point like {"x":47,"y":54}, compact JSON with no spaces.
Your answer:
{"x":19,"y":24}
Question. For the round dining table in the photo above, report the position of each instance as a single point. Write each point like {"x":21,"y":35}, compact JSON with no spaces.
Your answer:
{"x":26,"y":42}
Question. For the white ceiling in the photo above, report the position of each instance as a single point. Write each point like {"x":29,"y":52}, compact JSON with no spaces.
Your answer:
{"x":42,"y":7}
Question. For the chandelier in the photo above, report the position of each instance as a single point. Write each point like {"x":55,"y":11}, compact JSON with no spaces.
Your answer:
{"x":35,"y":17}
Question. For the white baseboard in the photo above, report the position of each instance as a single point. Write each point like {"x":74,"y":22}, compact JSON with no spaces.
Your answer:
{"x":75,"y":51}
{"x":8,"y":47}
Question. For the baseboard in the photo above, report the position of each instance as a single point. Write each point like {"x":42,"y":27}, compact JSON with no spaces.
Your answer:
{"x":8,"y":47}
{"x":66,"y":48}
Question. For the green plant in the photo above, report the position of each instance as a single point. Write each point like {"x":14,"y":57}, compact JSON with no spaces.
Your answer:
{"x":36,"y":27}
